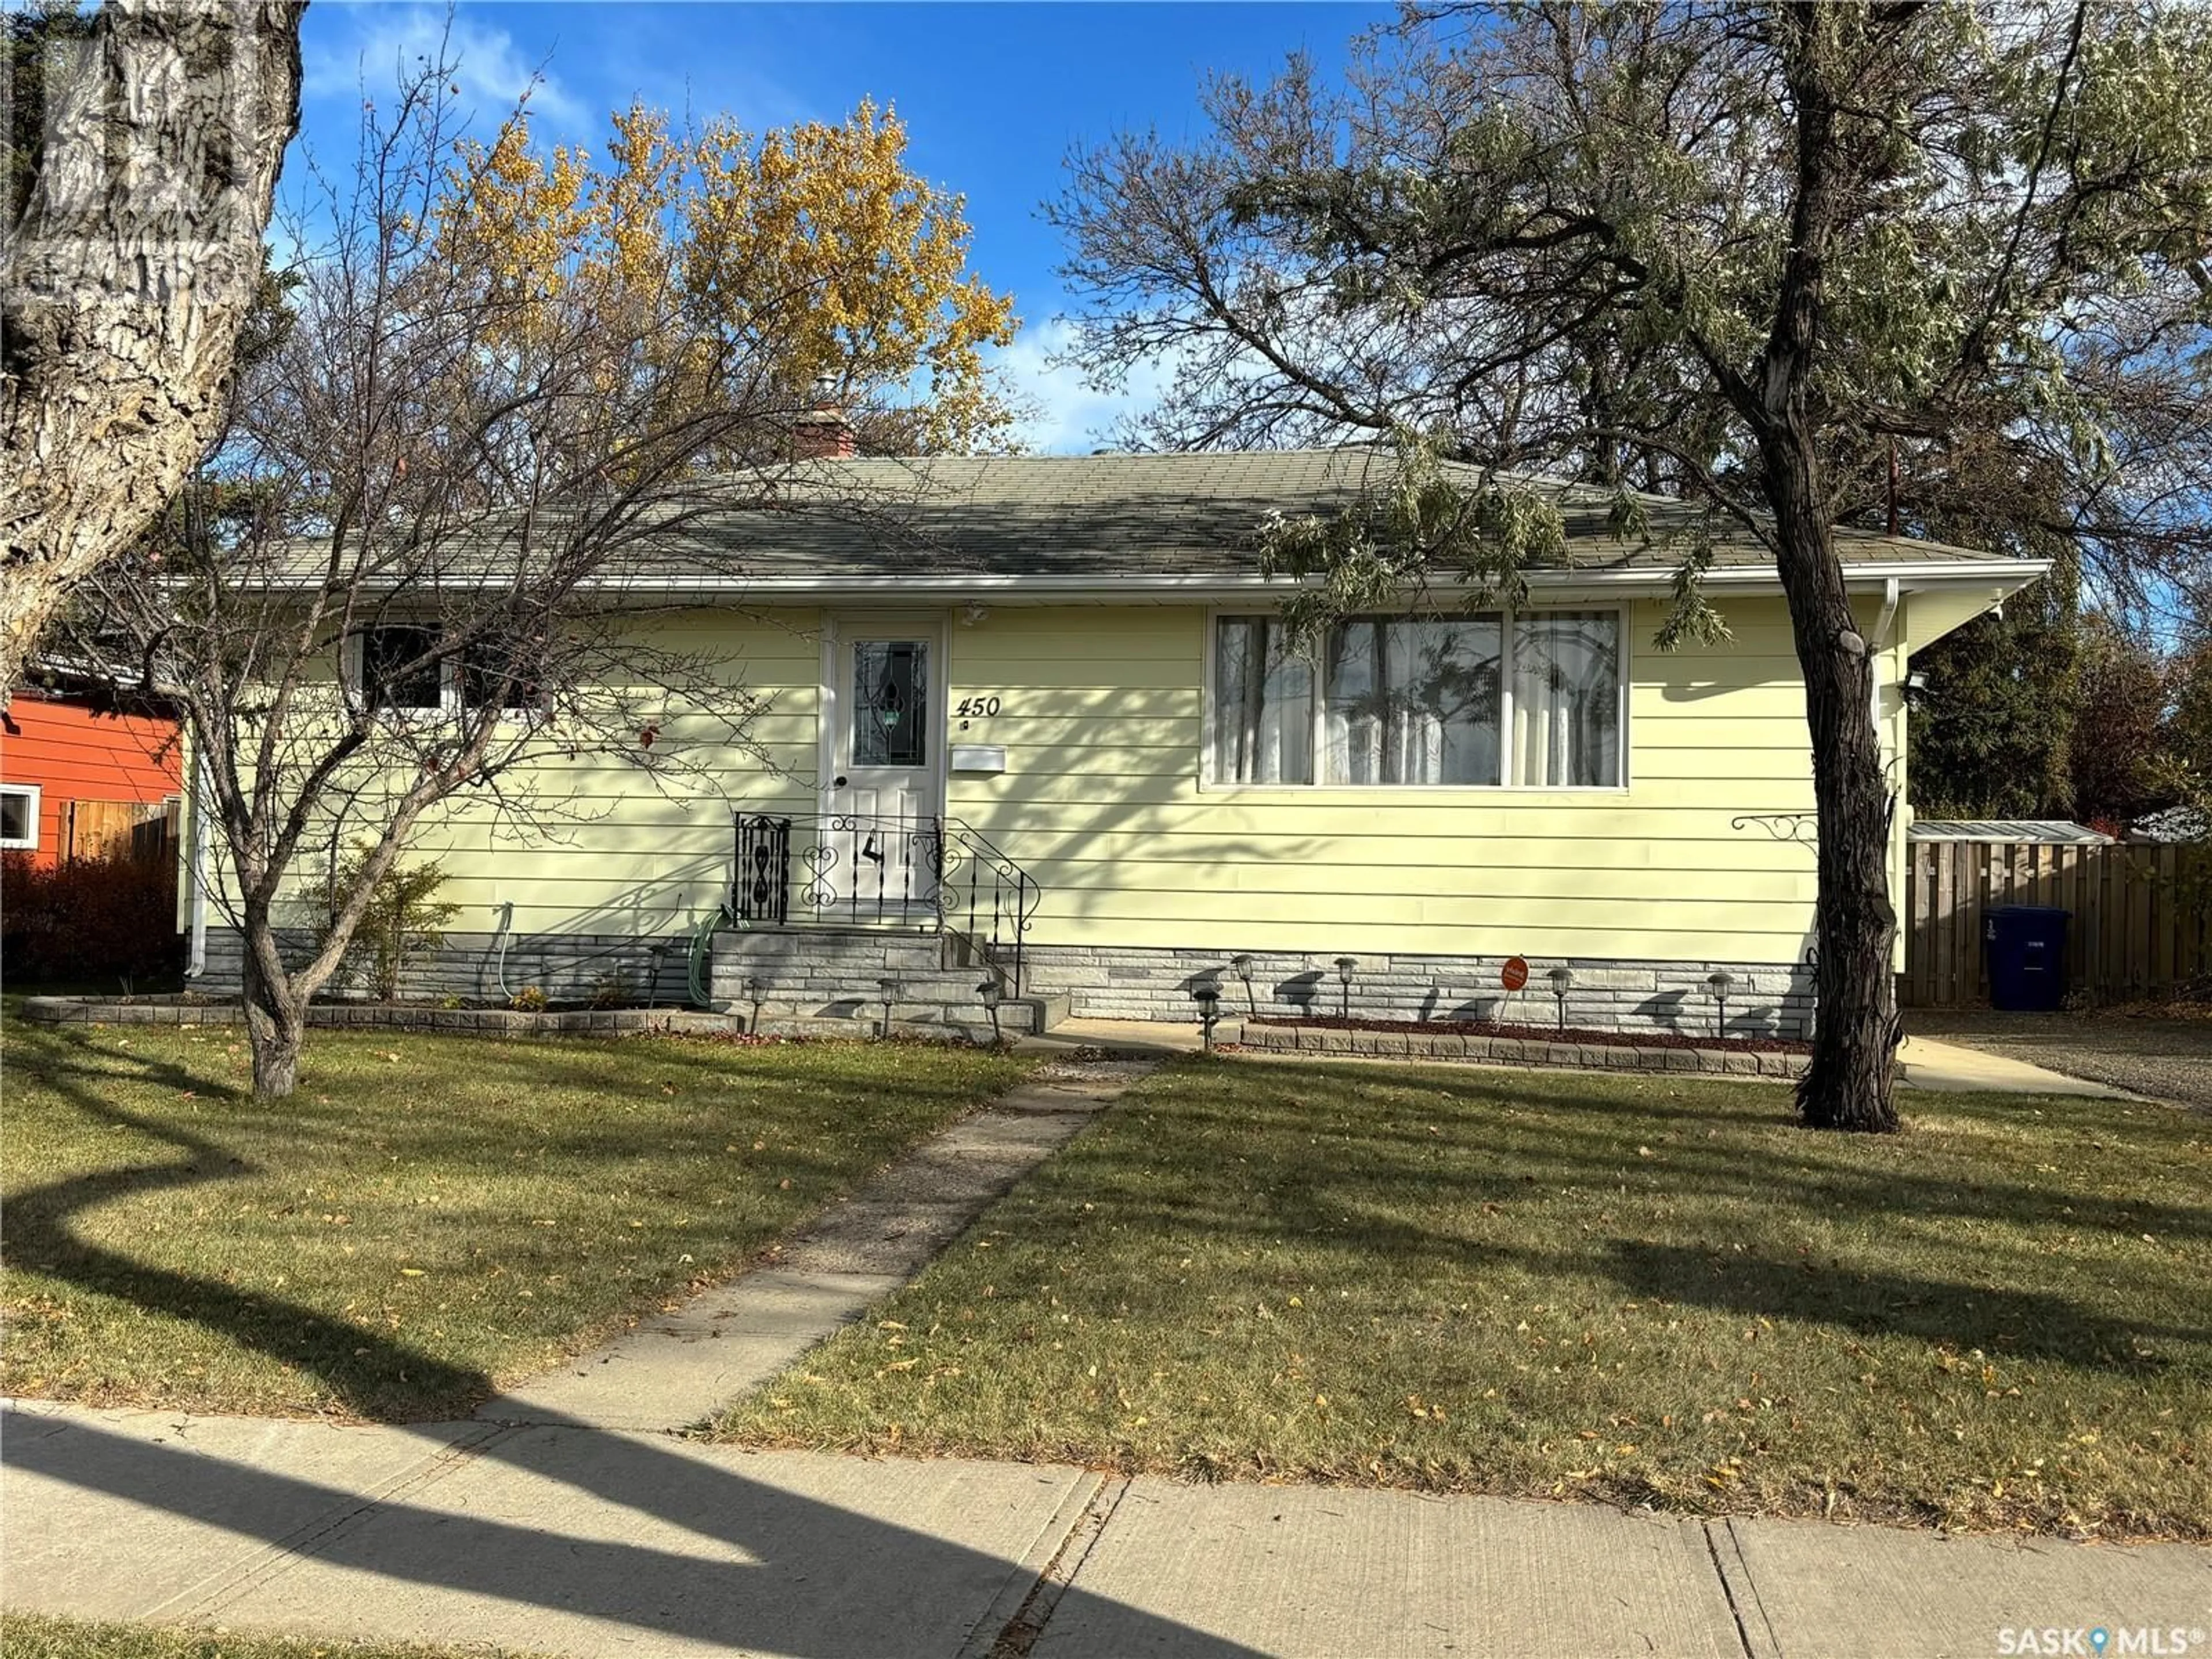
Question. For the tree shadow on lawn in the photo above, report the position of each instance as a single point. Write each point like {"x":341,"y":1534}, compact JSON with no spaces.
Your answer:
{"x":1942,"y":1313}
{"x":1563,"y":1138}
{"x":357,"y":1364}
{"x":353,"y":1360}
{"x":864,"y":1565}
{"x":1383,"y":1187}
{"x":1583,"y":1145}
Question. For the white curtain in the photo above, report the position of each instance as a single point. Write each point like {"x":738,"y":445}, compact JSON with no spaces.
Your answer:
{"x":1263,"y":706}
{"x":1413,"y":703}
{"x":1566,"y":699}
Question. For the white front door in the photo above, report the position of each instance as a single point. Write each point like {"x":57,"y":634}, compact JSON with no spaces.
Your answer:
{"x":885,"y":787}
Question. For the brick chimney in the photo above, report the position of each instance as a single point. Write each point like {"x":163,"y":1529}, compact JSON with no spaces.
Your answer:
{"x":824,"y":433}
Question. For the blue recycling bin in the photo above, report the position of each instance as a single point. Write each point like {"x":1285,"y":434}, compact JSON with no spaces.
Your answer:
{"x":2026,"y":945}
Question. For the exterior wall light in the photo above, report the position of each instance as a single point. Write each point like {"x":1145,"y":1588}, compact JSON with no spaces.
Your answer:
{"x":1719,"y":982}
{"x":1561,"y":978}
{"x":1241,"y":966}
{"x":1345,"y":967}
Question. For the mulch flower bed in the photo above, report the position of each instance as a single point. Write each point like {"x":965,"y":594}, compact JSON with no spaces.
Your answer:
{"x":1654,"y":1038}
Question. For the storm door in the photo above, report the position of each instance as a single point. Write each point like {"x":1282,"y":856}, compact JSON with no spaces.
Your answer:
{"x":885,"y":790}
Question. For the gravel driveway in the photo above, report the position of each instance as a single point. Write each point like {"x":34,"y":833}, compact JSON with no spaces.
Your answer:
{"x":2164,"y":1059}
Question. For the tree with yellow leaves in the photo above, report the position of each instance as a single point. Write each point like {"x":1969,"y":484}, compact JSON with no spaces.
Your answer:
{"x":805,"y":258}
{"x":495,"y":378}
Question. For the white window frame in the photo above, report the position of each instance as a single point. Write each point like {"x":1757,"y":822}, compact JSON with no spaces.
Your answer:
{"x":36,"y":795}
{"x":1208,"y":782}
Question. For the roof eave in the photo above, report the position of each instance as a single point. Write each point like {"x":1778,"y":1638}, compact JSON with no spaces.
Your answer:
{"x":1998,"y":576}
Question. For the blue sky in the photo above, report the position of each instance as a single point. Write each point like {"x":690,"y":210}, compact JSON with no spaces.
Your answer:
{"x":993,"y":95}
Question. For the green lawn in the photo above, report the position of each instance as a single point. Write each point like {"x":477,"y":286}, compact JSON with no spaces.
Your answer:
{"x":1642,"y":1290}
{"x":426,"y":1220}
{"x":24,"y":1636}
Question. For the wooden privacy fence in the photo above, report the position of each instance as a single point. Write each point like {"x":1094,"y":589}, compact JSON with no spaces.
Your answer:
{"x":2140,"y":926}
{"x":119,"y":829}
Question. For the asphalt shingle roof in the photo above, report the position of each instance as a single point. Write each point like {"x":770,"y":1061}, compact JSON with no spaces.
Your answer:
{"x":1120,"y":514}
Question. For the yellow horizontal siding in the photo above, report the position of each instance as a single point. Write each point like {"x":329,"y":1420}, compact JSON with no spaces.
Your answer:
{"x":1102,"y":715}
{"x":1103,"y":721}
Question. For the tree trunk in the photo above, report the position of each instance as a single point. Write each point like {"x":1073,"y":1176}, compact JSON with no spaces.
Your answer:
{"x":1847,"y":1085}
{"x":137,"y":253}
{"x":276,"y":1011}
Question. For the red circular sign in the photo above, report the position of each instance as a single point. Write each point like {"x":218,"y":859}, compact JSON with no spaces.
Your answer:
{"x":1515,"y":973}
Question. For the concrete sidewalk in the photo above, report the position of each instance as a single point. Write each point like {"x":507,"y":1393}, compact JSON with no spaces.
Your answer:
{"x":578,"y":1541}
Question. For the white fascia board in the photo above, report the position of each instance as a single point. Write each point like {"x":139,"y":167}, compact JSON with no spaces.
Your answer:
{"x":2005,"y":575}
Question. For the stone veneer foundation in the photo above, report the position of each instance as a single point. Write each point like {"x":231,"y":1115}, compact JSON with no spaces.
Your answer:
{"x":1104,"y":982}
{"x":567,"y":967}
{"x":1317,"y":1042}
{"x":1114,"y":982}
{"x":385,"y":1016}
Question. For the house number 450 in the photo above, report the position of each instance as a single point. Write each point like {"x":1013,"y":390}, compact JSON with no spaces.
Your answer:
{"x":971,"y":708}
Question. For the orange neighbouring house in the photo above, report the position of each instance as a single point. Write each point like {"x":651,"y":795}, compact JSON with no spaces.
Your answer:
{"x":81,"y":778}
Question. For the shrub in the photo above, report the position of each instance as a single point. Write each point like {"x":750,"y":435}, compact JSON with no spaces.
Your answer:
{"x":402,"y":918}
{"x":530,"y":1000}
{"x":91,"y":919}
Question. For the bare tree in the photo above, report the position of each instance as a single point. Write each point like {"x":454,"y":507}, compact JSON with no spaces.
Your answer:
{"x":1740,"y":252}
{"x":409,"y":569}
{"x":143,"y":150}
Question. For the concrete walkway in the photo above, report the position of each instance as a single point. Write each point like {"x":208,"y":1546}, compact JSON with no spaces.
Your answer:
{"x":586,"y":1541}
{"x":1949,"y":1069}
{"x":674,"y":1371}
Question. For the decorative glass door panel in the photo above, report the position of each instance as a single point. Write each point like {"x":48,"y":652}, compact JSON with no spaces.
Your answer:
{"x":884,"y":798}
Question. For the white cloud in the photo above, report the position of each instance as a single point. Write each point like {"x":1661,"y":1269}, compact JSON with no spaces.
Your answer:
{"x":1071,"y":418}
{"x":492,"y":72}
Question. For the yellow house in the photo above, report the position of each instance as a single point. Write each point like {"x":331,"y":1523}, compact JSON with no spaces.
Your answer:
{"x":1041,"y":714}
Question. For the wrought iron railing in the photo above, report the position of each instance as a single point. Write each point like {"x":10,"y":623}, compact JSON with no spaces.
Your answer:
{"x":854,"y":869}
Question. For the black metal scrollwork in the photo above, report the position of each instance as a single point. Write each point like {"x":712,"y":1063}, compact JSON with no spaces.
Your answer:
{"x":902,"y":869}
{"x":1803,"y":828}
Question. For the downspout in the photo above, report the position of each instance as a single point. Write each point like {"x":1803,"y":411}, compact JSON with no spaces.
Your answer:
{"x":1883,"y":623}
{"x":1880,"y":642}
{"x":196,"y":959}
{"x":1900,"y":814}
{"x":506,"y":909}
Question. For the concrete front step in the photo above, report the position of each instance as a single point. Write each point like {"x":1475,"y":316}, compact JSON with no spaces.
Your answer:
{"x":836,"y":973}
{"x":769,"y":949}
{"x":948,"y":985}
{"x":975,"y":1030}
{"x":1020,"y":1018}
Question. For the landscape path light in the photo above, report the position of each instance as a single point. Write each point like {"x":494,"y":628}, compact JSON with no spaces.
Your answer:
{"x":992,"y":994}
{"x":1719,"y":982}
{"x":1346,"y":966}
{"x":1243,"y":967}
{"x":1207,"y":994}
{"x":1561,"y":978}
{"x":891,"y":988}
{"x":756,"y":995}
